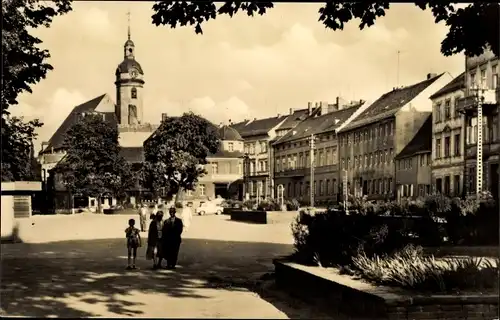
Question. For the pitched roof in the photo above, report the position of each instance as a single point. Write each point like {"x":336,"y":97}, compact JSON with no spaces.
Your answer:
{"x":421,"y":142}
{"x":390,"y":103}
{"x":240,"y":125}
{"x":456,"y":84}
{"x":260,"y":126}
{"x":295,"y":118}
{"x":57,"y":139}
{"x":319,"y":124}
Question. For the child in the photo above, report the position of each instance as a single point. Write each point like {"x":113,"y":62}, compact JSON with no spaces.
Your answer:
{"x":133,"y":242}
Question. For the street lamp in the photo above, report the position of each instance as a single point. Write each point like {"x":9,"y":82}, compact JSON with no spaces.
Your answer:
{"x":246,"y":174}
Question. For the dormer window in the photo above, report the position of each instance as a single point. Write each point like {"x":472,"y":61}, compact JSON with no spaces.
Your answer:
{"x":230,"y":147}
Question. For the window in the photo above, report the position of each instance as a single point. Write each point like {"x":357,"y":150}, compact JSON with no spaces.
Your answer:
{"x":456,"y":101}
{"x":321,"y":190}
{"x":494,"y":77}
{"x":457,"y":144}
{"x":438,"y":148}
{"x":447,"y":147}
{"x":202,"y":189}
{"x":473,"y":80}
{"x":215,"y":168}
{"x":439,"y":186}
{"x":263,"y":147}
{"x":456,"y":185}
{"x":189,"y":193}
{"x":483,"y":80}
{"x":422,"y":160}
{"x":447,"y":186}
{"x":321,"y":159}
{"x":230,"y":147}
{"x":240,"y":168}
{"x":251,"y":148}
{"x":447,"y":109}
{"x":391,"y":155}
{"x":437,"y":113}
{"x":133,"y":93}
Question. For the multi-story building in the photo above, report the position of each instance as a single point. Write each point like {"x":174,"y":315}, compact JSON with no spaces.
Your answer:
{"x":413,"y":165}
{"x":257,"y":134}
{"x":481,"y":72}
{"x":292,"y":170}
{"x":448,"y":138}
{"x":368,"y":144}
{"x":224,"y":171}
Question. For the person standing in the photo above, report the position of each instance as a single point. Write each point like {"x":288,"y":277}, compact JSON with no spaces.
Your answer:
{"x":153,"y":251}
{"x":171,"y":238}
{"x":154,"y":212}
{"x":133,"y":242}
{"x":143,"y":211}
{"x":187,"y":216}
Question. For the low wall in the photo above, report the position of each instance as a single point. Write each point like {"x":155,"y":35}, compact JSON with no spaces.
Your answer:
{"x":342,"y":295}
{"x":249,"y":216}
{"x":7,"y":217}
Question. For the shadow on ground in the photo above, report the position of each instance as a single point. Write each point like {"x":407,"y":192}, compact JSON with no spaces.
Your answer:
{"x":56,"y":279}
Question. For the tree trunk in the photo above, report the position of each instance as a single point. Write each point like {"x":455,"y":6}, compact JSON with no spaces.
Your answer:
{"x":177,"y":196}
{"x":99,"y":206}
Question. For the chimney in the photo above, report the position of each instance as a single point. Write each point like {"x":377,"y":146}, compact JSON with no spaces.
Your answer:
{"x":309,"y":108}
{"x":324,"y":107}
{"x":291,"y":111}
{"x":164,"y":117}
{"x":431,"y":75}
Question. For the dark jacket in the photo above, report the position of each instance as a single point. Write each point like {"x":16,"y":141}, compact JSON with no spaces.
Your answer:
{"x":171,"y":233}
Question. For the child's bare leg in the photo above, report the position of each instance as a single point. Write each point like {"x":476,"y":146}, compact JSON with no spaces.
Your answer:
{"x":129,"y":255}
{"x":134,"y":252}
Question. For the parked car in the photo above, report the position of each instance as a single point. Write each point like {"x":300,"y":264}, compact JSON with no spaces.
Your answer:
{"x":209,"y":208}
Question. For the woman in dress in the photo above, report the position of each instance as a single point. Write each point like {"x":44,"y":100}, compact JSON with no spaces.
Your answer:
{"x":153,"y":251}
{"x":187,"y":215}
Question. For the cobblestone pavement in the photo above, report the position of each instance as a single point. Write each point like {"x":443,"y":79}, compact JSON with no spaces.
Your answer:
{"x":219,"y":266}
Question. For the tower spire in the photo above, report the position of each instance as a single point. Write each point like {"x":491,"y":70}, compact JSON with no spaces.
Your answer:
{"x":128,"y":16}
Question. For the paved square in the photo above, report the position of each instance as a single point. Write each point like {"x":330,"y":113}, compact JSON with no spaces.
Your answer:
{"x":83,"y":274}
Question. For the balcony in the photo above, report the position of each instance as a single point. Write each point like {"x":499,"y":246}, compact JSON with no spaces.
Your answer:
{"x":489,"y":149}
{"x":291,"y":173}
{"x":468,"y":104}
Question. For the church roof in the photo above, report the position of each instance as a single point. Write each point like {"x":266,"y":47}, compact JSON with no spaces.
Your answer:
{"x":128,"y":64}
{"x":228,"y":133}
{"x":57,"y":140}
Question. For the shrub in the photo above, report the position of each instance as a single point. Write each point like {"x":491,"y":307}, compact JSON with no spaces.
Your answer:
{"x":269,"y":205}
{"x":249,"y":204}
{"x":410,"y":269}
{"x":292,"y":205}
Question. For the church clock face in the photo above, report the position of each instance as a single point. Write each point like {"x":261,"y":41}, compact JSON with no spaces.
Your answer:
{"x":133,"y":73}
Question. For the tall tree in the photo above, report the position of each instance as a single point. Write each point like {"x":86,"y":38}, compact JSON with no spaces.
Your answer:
{"x":176,"y":153}
{"x":17,"y":149}
{"x":471,"y":29}
{"x":93,"y":165}
{"x":24,"y":64}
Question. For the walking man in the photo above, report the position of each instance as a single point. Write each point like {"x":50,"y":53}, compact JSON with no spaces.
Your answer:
{"x":171,"y":238}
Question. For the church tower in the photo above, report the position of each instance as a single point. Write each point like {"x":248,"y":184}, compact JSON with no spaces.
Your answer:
{"x":129,"y":86}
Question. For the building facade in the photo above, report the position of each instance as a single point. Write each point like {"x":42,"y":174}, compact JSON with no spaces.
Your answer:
{"x":257,"y":135}
{"x":413,"y":170}
{"x":448,"y":138}
{"x":292,"y":153}
{"x":481,"y":72}
{"x":368,"y":145}
{"x":224,"y":171}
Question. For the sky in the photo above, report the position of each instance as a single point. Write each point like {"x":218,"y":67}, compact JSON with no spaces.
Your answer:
{"x":240,"y":68}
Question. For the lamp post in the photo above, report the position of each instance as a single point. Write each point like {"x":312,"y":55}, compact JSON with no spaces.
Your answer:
{"x":246,"y":173}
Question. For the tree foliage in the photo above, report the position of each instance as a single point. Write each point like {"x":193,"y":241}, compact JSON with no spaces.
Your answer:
{"x":93,"y":165}
{"x":24,"y":64}
{"x":176,"y":153}
{"x":471,"y":29}
{"x":17,"y":148}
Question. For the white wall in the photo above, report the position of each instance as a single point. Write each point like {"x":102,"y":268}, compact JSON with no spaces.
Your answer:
{"x":7,"y":216}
